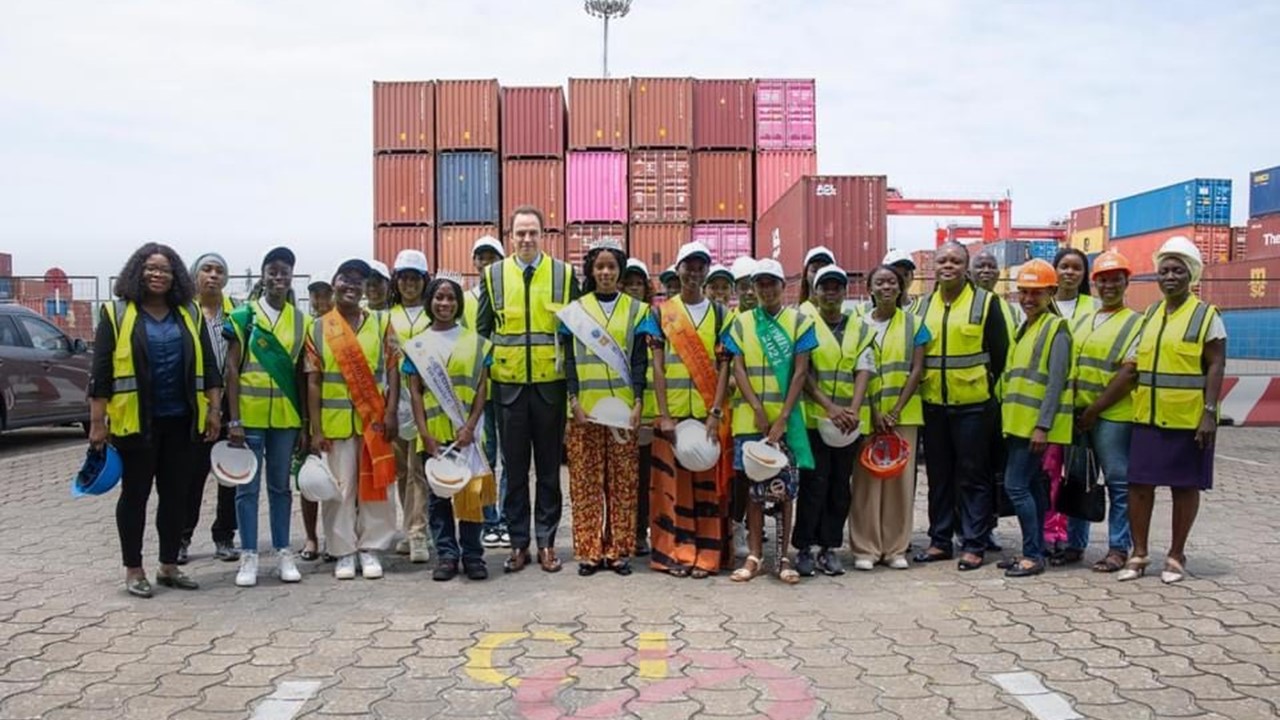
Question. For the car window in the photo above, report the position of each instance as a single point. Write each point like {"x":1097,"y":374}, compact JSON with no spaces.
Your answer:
{"x":43,"y":335}
{"x":9,"y":334}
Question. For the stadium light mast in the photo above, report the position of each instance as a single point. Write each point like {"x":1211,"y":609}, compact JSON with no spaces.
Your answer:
{"x":607,"y":10}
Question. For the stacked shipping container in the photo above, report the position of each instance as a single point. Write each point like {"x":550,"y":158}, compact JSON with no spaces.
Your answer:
{"x":404,"y":170}
{"x":1248,"y":284}
{"x":845,"y":213}
{"x":1199,"y":210}
{"x":1087,"y":228}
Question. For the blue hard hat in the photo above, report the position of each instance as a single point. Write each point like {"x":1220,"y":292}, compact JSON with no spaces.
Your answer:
{"x":100,"y":472}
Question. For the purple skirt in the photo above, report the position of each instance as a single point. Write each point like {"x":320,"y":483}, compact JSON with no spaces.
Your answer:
{"x":1169,"y":458}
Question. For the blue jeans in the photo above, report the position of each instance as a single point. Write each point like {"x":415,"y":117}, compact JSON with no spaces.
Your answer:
{"x":1110,"y":442}
{"x":448,"y":539}
{"x":1027,"y":492}
{"x":278,"y":447}
{"x":493,"y":518}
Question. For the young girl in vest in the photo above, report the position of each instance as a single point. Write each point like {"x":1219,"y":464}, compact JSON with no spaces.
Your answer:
{"x":770,"y":347}
{"x":720,"y":284}
{"x":408,"y":318}
{"x":1037,"y":409}
{"x":463,"y":356}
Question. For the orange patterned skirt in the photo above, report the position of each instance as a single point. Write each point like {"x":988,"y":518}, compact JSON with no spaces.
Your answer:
{"x":603,"y":475}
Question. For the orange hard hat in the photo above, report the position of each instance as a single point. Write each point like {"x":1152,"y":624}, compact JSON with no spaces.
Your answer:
{"x":1037,"y":274}
{"x":885,"y":455}
{"x":1110,"y":261}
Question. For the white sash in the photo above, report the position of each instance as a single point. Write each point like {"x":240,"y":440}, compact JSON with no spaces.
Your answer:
{"x":596,"y":338}
{"x":436,"y":377}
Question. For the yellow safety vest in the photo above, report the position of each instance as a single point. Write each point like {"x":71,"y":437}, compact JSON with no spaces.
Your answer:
{"x":893,"y":366}
{"x":1099,"y":355}
{"x":470,"y":308}
{"x":683,"y":399}
{"x":955,"y":362}
{"x":1171,"y":370}
{"x":123,"y":409}
{"x":1026,"y":381}
{"x":596,"y":380}
{"x":338,"y":416}
{"x":834,"y":367}
{"x":525,"y":325}
{"x":465,"y":366}
{"x":1085,"y":306}
{"x":262,"y":404}
{"x":759,"y":372}
{"x":405,"y":328}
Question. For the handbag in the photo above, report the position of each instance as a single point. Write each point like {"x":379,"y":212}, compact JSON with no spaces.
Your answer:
{"x":1083,"y":494}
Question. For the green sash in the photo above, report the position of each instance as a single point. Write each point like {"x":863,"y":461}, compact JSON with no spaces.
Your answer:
{"x":778,"y":351}
{"x":271,"y":355}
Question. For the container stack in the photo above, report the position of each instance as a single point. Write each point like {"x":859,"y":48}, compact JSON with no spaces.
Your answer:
{"x":467,"y":168}
{"x":533,"y":167}
{"x":1199,"y":210}
{"x":596,"y":169}
{"x":786,"y":137}
{"x":662,"y":182}
{"x":1087,"y":228}
{"x":1245,"y":289}
{"x":723,"y":171}
{"x":404,"y":200}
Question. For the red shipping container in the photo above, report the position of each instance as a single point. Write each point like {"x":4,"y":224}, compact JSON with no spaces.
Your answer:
{"x":722,"y":186}
{"x":660,"y":182}
{"x":1213,"y":241}
{"x":404,"y":116}
{"x":924,"y":262}
{"x":661,"y":112}
{"x":1262,"y":237}
{"x":1087,"y":218}
{"x":6,"y":265}
{"x":533,"y":122}
{"x":777,"y":171}
{"x":724,"y":115}
{"x":404,"y":189}
{"x":1247,"y":284}
{"x":389,"y":241}
{"x":578,"y":239}
{"x":656,"y":245}
{"x":785,"y":115}
{"x":599,"y":114}
{"x":454,"y":243}
{"x":726,"y":242}
{"x":1239,"y":242}
{"x":843,"y":212}
{"x":467,"y":115}
{"x":539,"y":183}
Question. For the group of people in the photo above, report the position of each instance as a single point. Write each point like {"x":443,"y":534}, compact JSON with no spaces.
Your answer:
{"x":664,"y":411}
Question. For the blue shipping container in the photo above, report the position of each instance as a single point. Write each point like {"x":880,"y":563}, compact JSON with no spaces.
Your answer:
{"x":1253,"y":334}
{"x":1044,"y":250}
{"x":467,"y":188}
{"x":1008,"y":252}
{"x":1264,"y":192}
{"x":1194,"y":202}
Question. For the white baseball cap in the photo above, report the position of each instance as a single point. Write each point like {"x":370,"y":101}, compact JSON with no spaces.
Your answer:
{"x":692,"y":249}
{"x":635,"y":265}
{"x":822,"y":251}
{"x":488,"y":242}
{"x":742,"y":268}
{"x":721,"y":271}
{"x":896,"y":256}
{"x":411,"y":260}
{"x":378,"y":268}
{"x":831,"y":272}
{"x":769,"y":267}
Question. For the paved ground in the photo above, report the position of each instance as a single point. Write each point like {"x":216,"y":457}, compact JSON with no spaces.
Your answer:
{"x":925,"y":643}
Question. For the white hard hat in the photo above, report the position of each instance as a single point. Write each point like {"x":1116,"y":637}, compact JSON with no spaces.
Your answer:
{"x":769,"y":267}
{"x":635,"y":265}
{"x":895,"y":256}
{"x":445,"y":475}
{"x":762,"y":461}
{"x":488,"y":242}
{"x":831,"y":272}
{"x":232,"y":465}
{"x":1179,"y":246}
{"x":411,"y":260}
{"x":833,"y":436}
{"x":315,"y":481}
{"x":743,"y":267}
{"x":720,"y":271}
{"x":692,"y":249}
{"x":822,"y":251}
{"x":379,"y":268}
{"x":694,"y":450}
{"x":611,"y":412}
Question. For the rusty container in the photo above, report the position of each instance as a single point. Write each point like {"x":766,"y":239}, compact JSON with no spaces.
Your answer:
{"x":404,"y":116}
{"x":723,"y":190}
{"x":533,"y":122}
{"x":846,"y":213}
{"x":404,"y":189}
{"x":454,"y":243}
{"x":467,"y":115}
{"x":578,"y":239}
{"x":599,"y":114}
{"x":389,"y":241}
{"x":660,"y":186}
{"x":724,"y":115}
{"x":662,"y":113}
{"x":539,"y":183}
{"x":656,"y":244}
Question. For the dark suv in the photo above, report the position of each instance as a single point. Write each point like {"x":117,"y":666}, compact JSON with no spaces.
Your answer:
{"x":44,"y":375}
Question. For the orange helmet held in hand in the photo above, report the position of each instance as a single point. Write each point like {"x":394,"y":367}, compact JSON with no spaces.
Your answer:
{"x":885,"y":455}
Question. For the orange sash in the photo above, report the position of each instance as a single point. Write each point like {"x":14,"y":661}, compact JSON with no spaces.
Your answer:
{"x":377,"y":457}
{"x":678,"y":328}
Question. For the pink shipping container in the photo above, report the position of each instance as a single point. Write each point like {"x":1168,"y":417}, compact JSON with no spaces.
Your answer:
{"x":578,"y":239}
{"x":404,"y":116}
{"x":596,"y":187}
{"x":660,"y":181}
{"x":533,"y":120}
{"x":843,"y":212}
{"x":454,"y":243}
{"x":404,"y":189}
{"x":389,"y":241}
{"x":539,"y":183}
{"x":656,"y":245}
{"x":467,"y":115}
{"x":726,"y":242}
{"x":724,"y":115}
{"x":723,"y":190}
{"x":777,"y":171}
{"x":662,"y":112}
{"x":786,"y":115}
{"x":599,"y":114}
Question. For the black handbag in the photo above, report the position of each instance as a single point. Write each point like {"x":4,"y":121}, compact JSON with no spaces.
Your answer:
{"x":1083,"y":494}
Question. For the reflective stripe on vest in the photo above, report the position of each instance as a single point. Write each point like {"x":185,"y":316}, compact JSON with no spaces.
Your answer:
{"x":1171,"y":374}
{"x":338,"y":418}
{"x":525,"y":342}
{"x":596,"y":380}
{"x":893,"y":368}
{"x":123,"y":407}
{"x":833,"y":365}
{"x":683,"y":399}
{"x":262,"y":404}
{"x":956,"y":365}
{"x":1099,"y":354}
{"x":465,"y":366}
{"x":1026,"y":380}
{"x":759,"y":372}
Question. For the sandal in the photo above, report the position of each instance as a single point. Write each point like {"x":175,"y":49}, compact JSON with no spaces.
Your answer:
{"x":699,"y":574}
{"x":1068,"y":556}
{"x":309,"y":552}
{"x":750,"y":568}
{"x":786,"y":573}
{"x":1134,"y":569}
{"x":1113,"y":562}
{"x":678,"y":571}
{"x":587,"y":569}
{"x":621,"y":567}
{"x":1174,"y":570}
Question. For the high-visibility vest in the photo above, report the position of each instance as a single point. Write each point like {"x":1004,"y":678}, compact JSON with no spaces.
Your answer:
{"x":1012,"y":319}
{"x":759,"y":372}
{"x":123,"y":409}
{"x":338,"y":416}
{"x":834,"y":366}
{"x":405,"y":328}
{"x":470,"y":309}
{"x":465,"y":366}
{"x":893,"y":366}
{"x":683,"y":399}
{"x":596,"y":380}
{"x":525,"y":325}
{"x":262,"y":403}
{"x":1085,"y":306}
{"x":1026,"y":380}
{"x":1099,"y":355}
{"x":955,"y":362}
{"x":1171,"y":369}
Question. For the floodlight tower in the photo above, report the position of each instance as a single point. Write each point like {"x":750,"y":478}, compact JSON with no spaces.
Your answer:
{"x":607,"y":10}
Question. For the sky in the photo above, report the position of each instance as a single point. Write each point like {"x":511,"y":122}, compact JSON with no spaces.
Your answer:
{"x":236,"y":125}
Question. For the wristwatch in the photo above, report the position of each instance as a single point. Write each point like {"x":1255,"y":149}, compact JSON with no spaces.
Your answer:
{"x":234,"y":424}
{"x":717,"y":413}
{"x":1210,"y":408}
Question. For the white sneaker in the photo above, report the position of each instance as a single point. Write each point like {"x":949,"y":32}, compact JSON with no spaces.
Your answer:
{"x":419,"y":552}
{"x":863,"y":565}
{"x":247,"y":575}
{"x":346,"y":567}
{"x":402,"y":547}
{"x":370,"y":566}
{"x":740,"y":540}
{"x":899,"y":562}
{"x":287,"y":567}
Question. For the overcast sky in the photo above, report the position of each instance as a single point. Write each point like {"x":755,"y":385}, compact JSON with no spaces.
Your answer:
{"x":238,"y":124}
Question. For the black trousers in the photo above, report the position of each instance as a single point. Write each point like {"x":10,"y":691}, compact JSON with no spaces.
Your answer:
{"x":224,"y":521}
{"x":166,"y":460}
{"x":531,"y":424}
{"x":957,"y":444}
{"x":822,"y":504}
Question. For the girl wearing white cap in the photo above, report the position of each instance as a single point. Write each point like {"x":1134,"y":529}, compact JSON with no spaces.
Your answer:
{"x":814,"y":260}
{"x":377,"y":289}
{"x":1180,"y":358}
{"x":743,"y":289}
{"x":720,"y":284}
{"x":408,"y":319}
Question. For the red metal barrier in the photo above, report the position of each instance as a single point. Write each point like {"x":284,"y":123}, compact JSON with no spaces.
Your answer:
{"x":1252,"y":400}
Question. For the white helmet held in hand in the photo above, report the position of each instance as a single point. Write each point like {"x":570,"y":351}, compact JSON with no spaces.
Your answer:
{"x":762,"y":461}
{"x":694,"y":450}
{"x":833,"y":436}
{"x":315,"y":482}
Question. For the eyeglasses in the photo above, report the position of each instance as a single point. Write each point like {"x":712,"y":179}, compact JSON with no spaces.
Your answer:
{"x":160,"y":271}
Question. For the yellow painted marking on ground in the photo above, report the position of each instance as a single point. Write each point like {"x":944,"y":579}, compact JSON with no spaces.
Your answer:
{"x":652,"y":644}
{"x":480,"y":656}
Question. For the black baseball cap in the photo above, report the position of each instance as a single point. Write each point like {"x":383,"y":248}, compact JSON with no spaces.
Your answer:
{"x":281,"y":254}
